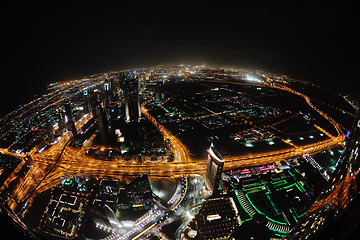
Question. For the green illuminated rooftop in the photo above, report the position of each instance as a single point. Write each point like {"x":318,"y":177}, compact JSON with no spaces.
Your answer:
{"x":280,"y":197}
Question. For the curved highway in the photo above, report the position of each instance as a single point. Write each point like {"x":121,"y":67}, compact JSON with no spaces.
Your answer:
{"x":46,"y":172}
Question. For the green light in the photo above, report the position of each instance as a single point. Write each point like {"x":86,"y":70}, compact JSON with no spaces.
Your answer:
{"x":250,"y":216}
{"x":300,"y":187}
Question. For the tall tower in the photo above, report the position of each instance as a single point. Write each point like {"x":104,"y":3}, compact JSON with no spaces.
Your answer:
{"x":61,"y":123}
{"x":214,"y":170}
{"x":69,"y":119}
{"x":102,"y":122}
{"x":87,"y":107}
{"x":130,"y":86}
{"x":159,"y":95}
{"x":107,"y":93}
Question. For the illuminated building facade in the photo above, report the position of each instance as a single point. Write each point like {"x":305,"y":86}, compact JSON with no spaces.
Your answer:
{"x":61,"y":121}
{"x":214,"y":170}
{"x":140,"y":193}
{"x":130,"y":86}
{"x":159,"y":95}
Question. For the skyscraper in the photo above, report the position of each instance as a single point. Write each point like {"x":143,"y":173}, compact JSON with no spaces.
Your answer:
{"x":102,"y":122}
{"x":335,"y":214}
{"x":130,"y":86}
{"x":87,"y":107}
{"x":69,"y":119}
{"x":107,"y":93}
{"x":61,"y":122}
{"x":159,"y":95}
{"x":214,"y":170}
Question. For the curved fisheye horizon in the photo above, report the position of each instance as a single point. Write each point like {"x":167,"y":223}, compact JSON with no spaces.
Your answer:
{"x":53,"y":42}
{"x":26,"y":93}
{"x":180,"y":151}
{"x":179,"y":121}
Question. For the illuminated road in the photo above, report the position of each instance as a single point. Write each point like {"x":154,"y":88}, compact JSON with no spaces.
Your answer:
{"x":73,"y":163}
{"x":61,"y":161}
{"x":181,"y":152}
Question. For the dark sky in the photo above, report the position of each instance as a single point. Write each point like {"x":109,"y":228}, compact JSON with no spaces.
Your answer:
{"x":44,"y":42}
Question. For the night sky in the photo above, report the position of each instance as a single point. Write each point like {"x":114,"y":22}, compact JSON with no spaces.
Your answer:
{"x":313,"y":41}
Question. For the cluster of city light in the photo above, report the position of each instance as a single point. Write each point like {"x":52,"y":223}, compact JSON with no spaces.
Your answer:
{"x":141,"y":224}
{"x":252,"y":78}
{"x":50,"y":165}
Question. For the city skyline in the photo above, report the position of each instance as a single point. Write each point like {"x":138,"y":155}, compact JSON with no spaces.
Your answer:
{"x":179,"y":120}
{"x":278,"y":143}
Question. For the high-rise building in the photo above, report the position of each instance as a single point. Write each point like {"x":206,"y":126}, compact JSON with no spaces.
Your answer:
{"x":50,"y":132}
{"x":216,"y":219}
{"x":61,"y":123}
{"x":68,"y":111}
{"x":102,"y":123}
{"x":335,"y":214}
{"x":87,"y":107}
{"x":69,"y":119}
{"x":214,"y":170}
{"x":107,"y":93}
{"x":159,"y":94}
{"x":140,"y":193}
{"x":130,"y":87}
